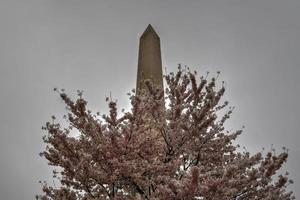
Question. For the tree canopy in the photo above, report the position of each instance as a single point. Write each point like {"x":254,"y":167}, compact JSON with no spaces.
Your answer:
{"x":171,"y":145}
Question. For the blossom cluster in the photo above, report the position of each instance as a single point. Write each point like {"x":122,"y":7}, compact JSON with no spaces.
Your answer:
{"x":171,"y":145}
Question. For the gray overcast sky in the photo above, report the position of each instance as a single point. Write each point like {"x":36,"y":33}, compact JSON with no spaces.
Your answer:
{"x":92,"y":45}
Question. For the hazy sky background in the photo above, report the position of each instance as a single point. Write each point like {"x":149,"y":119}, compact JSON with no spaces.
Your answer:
{"x":92,"y":45}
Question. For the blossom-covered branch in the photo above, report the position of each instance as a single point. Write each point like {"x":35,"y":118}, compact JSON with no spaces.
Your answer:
{"x":172,"y":144}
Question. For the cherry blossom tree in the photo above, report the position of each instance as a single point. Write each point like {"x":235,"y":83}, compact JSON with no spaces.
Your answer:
{"x":171,"y":145}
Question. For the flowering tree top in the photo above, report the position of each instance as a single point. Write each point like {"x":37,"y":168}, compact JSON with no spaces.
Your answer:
{"x":180,"y":152}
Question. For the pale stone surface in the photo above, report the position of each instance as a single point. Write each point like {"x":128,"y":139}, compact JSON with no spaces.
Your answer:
{"x":149,"y":60}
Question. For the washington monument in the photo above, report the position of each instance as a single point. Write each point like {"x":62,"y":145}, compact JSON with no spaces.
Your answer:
{"x":149,"y":60}
{"x":149,"y":68}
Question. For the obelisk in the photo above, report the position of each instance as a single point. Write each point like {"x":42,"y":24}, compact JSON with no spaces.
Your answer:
{"x":149,"y":60}
{"x":149,"y":68}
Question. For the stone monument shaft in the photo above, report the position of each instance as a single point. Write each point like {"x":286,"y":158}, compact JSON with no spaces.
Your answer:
{"x":149,"y":60}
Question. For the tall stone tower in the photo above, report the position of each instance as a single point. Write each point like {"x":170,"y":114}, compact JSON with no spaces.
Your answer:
{"x":149,"y":67}
{"x":149,"y":60}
